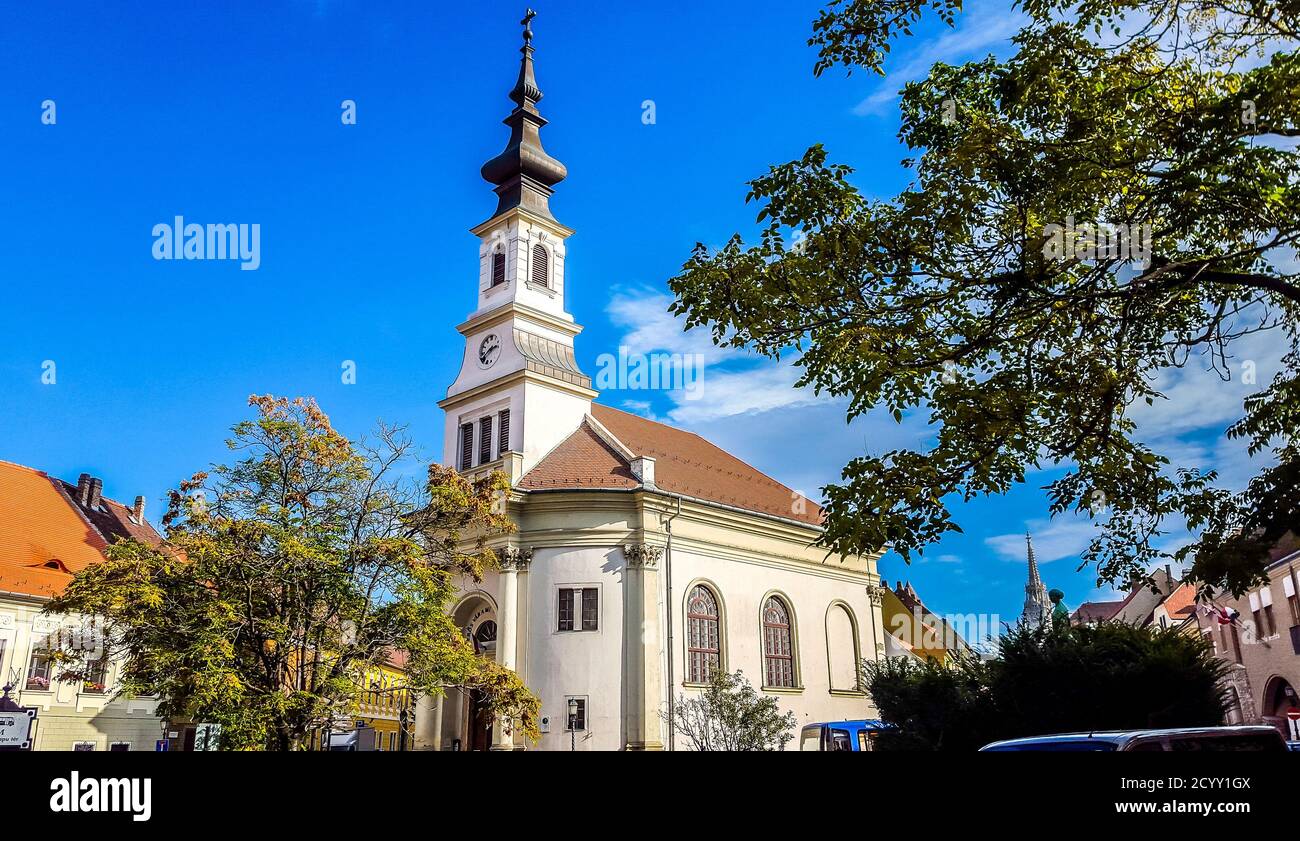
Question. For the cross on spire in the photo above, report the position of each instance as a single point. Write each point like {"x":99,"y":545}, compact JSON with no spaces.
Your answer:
{"x":527,"y":24}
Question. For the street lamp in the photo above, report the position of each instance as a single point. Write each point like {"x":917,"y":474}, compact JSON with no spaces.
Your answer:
{"x":573,"y":724}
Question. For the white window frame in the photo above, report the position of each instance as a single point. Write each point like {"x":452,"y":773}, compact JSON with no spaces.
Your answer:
{"x":577,"y":611}
{"x":586,"y":714}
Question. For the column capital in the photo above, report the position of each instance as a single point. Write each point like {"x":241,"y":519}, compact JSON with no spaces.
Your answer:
{"x":514,"y":558}
{"x":875,"y":592}
{"x":642,"y":555}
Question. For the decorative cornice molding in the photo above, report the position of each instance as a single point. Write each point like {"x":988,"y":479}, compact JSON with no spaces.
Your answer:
{"x":642,"y":555}
{"x":514,"y":558}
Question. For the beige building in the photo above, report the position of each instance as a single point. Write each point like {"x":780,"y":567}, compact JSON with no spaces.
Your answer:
{"x":49,"y":530}
{"x":1259,"y":636}
{"x":645,"y":556}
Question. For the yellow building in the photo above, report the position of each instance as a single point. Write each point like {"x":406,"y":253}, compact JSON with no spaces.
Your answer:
{"x":913,"y":630}
{"x":384,"y":717}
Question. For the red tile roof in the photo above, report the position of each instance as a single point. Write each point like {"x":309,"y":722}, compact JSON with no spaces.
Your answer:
{"x":1097,"y":611}
{"x":685,"y":464}
{"x":1181,"y":602}
{"x":46,"y":537}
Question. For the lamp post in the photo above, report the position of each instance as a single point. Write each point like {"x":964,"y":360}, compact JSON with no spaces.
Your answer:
{"x":573,"y":724}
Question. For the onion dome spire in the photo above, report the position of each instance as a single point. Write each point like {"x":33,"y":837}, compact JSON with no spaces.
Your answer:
{"x":524,"y":174}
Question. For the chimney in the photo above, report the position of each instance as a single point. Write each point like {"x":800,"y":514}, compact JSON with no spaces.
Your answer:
{"x":137,"y":510}
{"x":96,"y":491}
{"x":83,"y":489}
{"x":643,"y":468}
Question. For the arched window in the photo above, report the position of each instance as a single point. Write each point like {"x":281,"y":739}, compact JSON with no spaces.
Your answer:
{"x":703,"y":635}
{"x":498,"y":268}
{"x":778,"y":644}
{"x":541,"y":265}
{"x":485,"y":638}
{"x":842,"y":648}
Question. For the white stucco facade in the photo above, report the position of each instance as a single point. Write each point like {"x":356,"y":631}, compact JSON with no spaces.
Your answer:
{"x":617,"y":552}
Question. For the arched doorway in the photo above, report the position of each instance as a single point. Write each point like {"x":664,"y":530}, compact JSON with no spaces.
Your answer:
{"x":470,"y":720}
{"x":1279,"y":699}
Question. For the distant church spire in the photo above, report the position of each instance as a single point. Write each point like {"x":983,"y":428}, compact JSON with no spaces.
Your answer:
{"x":524,"y":174}
{"x":1038,"y":607}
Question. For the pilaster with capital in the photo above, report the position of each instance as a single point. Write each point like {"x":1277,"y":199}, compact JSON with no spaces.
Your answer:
{"x":512,"y":560}
{"x":641,"y":585}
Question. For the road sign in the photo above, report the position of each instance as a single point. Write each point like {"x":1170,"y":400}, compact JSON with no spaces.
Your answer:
{"x":1293,"y":714}
{"x":160,"y":746}
{"x":16,"y":728}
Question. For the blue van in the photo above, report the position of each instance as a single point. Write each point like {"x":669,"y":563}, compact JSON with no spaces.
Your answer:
{"x":856,"y":735}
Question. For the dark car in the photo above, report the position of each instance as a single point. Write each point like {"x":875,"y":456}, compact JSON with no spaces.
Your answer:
{"x":1192,"y":739}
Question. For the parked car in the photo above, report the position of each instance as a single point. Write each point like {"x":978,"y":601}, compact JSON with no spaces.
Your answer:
{"x":856,"y":735}
{"x":1206,"y":739}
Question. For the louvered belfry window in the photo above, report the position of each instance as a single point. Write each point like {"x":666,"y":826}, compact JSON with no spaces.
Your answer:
{"x":541,"y":267}
{"x":498,"y":268}
{"x":503,"y":432}
{"x":466,"y":446}
{"x":485,"y":440}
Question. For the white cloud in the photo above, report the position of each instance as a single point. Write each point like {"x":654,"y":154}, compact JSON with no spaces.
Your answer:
{"x":1053,"y":540}
{"x":980,"y":26}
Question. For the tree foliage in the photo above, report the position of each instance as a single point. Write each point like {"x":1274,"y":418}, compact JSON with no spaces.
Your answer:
{"x":728,"y":715}
{"x":1056,"y":679}
{"x":289,"y":575}
{"x":954,"y":298}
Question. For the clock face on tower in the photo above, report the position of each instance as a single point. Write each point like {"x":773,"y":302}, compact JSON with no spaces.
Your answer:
{"x":488,"y":351}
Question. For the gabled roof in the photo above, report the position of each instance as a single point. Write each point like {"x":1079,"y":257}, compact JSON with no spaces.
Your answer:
{"x":685,"y":464}
{"x":46,"y":537}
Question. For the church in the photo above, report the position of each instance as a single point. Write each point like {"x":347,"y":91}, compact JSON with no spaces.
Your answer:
{"x":645,"y":556}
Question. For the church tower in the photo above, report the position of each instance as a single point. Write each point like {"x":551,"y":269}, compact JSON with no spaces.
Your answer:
{"x":519,"y":392}
{"x":1038,"y":607}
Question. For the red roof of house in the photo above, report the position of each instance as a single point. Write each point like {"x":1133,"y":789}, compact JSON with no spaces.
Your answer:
{"x":1181,"y":602}
{"x":1097,"y":611}
{"x":685,"y":464}
{"x":46,"y":537}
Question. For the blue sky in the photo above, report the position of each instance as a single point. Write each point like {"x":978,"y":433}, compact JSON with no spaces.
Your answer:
{"x":230,"y":113}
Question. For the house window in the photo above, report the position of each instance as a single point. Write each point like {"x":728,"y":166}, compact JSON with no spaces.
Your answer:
{"x":541,"y":265}
{"x":503,"y":432}
{"x":83,"y":746}
{"x":466,"y":446}
{"x":485,"y":440}
{"x":579,"y":721}
{"x":577,"y":609}
{"x":39,"y":669}
{"x":122,"y":747}
{"x":703,"y":635}
{"x":498,"y":268}
{"x":778,"y":648}
{"x":96,"y":677}
{"x":1266,"y":601}
{"x":392,"y":740}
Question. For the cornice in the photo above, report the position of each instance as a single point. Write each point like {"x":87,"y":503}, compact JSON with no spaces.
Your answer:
{"x":510,"y":309}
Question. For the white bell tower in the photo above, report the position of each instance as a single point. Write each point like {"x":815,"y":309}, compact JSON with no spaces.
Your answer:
{"x":519,"y":391}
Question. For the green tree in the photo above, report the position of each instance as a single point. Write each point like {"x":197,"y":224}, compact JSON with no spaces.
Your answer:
{"x":728,"y":715}
{"x":965,"y":297}
{"x":932,"y":706}
{"x":1055,"y":679}
{"x":287,"y":574}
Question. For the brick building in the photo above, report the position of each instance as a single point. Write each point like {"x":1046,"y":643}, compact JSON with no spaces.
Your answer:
{"x":1259,"y":636}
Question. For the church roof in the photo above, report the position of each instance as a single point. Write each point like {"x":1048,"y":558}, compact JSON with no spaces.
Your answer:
{"x":685,"y":464}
